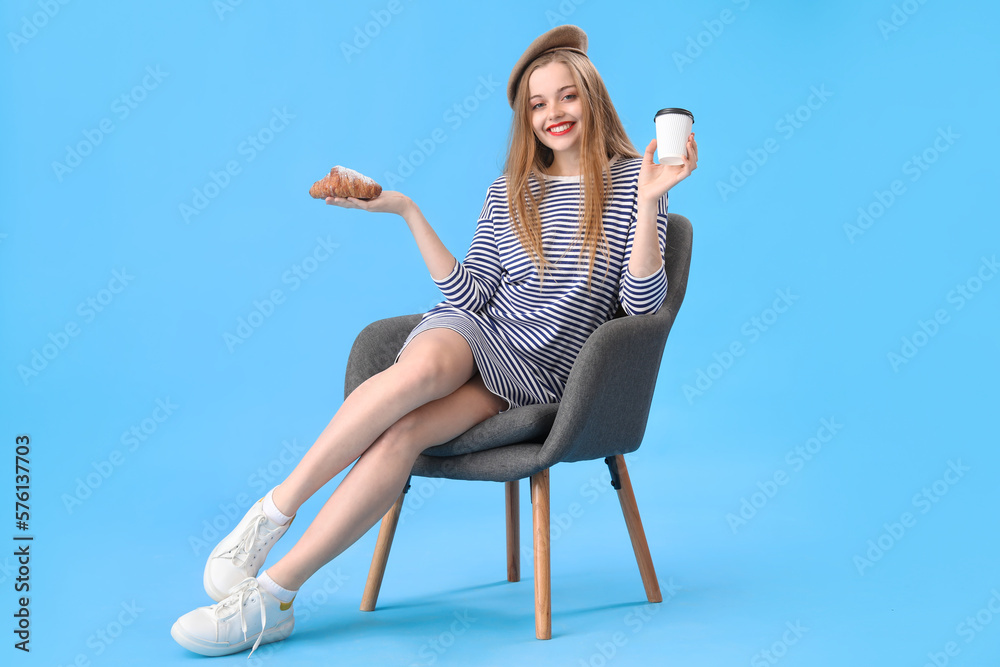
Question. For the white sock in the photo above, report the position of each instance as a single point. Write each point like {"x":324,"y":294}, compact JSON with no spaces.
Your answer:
{"x":267,"y":583}
{"x":272,"y":512}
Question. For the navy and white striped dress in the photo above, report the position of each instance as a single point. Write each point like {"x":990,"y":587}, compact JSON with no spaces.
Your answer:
{"x":525,"y":334}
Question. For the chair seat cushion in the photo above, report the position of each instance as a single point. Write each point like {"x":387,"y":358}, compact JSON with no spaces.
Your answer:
{"x":528,"y":423}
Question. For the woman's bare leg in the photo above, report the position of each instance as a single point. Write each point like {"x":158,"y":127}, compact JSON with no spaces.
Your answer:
{"x":434,"y":364}
{"x":377,"y":479}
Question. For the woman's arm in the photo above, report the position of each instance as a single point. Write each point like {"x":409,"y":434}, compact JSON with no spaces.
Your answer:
{"x":467,"y":285}
{"x":643,"y":283}
{"x":473,"y":281}
{"x":642,"y":294}
{"x":646,"y":257}
{"x":440,"y":262}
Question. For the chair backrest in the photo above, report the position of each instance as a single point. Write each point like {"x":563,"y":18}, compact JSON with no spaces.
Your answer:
{"x":677,"y":259}
{"x":610,"y":389}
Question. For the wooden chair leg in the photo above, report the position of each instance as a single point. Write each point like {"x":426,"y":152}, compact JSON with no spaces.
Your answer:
{"x":639,"y":545}
{"x":385,"y":534}
{"x":513,"y":530}
{"x":543,"y":584}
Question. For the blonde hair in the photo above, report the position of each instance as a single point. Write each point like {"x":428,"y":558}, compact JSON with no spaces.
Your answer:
{"x":602,"y":138}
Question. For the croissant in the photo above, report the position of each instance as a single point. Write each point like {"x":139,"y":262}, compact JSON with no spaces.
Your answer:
{"x":344,"y":182}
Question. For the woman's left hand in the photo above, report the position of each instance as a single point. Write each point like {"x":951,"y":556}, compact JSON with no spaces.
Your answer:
{"x":656,"y":179}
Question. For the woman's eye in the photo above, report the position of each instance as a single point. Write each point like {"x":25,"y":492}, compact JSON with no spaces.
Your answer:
{"x":568,"y":95}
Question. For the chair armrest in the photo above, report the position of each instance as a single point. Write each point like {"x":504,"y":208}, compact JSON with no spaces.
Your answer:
{"x":375,"y":349}
{"x":606,"y":403}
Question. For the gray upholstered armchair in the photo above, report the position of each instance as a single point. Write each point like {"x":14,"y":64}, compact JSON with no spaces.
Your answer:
{"x":602,"y":415}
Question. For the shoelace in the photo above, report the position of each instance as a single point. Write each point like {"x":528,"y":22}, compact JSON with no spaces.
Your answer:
{"x":249,"y":539}
{"x":238,"y":597}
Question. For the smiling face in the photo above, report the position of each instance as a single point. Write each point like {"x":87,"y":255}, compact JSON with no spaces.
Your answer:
{"x":555,"y":104}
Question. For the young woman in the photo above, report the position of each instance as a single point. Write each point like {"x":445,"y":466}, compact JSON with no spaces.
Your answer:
{"x":575,"y":225}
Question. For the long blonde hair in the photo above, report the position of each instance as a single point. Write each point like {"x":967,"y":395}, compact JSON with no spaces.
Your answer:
{"x":603,"y":137}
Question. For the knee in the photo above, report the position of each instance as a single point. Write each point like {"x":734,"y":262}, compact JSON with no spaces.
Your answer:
{"x":434,"y":376}
{"x":400,"y":439}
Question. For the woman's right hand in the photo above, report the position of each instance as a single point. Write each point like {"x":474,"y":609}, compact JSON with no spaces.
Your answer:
{"x":389,"y":201}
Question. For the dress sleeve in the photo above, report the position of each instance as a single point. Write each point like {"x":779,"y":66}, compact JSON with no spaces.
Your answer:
{"x":640,"y":296}
{"x":473,"y":281}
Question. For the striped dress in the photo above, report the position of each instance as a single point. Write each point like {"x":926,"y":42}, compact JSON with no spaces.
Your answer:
{"x":525,"y":334}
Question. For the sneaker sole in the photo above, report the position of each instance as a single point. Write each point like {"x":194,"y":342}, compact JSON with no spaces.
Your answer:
{"x":200,"y":646}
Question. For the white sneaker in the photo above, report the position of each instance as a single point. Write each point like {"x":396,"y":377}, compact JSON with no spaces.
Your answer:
{"x":251,"y":615}
{"x":241,"y":553}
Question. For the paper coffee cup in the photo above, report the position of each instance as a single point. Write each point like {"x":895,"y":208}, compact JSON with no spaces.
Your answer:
{"x":673,"y":126}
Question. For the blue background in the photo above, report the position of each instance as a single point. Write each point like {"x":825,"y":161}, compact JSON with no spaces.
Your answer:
{"x":117,"y":555}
